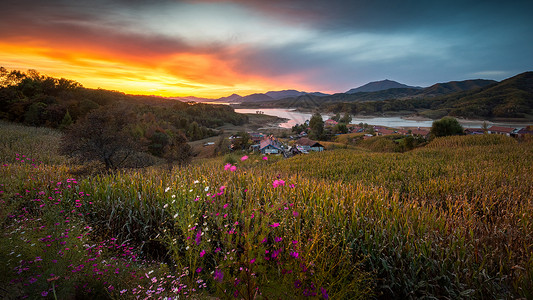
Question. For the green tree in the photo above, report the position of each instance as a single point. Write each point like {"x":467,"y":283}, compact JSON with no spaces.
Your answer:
{"x":346,"y":119}
{"x":340,"y":128}
{"x":66,"y":122}
{"x":336,"y":117}
{"x":317,"y":126}
{"x":446,"y":126}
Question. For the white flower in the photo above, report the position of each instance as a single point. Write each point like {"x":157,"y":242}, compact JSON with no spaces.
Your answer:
{"x":196,"y":181}
{"x":173,"y":196}
{"x":206,"y":188}
{"x":187,"y":248}
{"x":165,"y":206}
{"x":176,"y":215}
{"x":167,"y":189}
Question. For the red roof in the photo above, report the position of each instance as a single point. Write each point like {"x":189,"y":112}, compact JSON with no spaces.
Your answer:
{"x":419,"y":132}
{"x":501,"y":129}
{"x":331,"y":122}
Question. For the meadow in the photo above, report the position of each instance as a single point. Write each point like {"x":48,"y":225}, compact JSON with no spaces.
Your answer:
{"x":452,"y":219}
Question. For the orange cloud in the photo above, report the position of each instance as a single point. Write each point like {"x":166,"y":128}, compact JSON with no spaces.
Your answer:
{"x":165,"y":73}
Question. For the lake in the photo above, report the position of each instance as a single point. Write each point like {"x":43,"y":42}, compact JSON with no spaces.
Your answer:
{"x":295,"y":117}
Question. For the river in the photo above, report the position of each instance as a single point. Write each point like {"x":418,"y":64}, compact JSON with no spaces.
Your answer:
{"x":294,"y":117}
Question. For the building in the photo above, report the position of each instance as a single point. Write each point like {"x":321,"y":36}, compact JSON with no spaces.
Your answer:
{"x":270,"y":146}
{"x":309,"y":145}
{"x":508,"y":131}
{"x":474,"y":131}
{"x":420,"y":132}
{"x":385,"y":131}
{"x":525,"y":131}
{"x":330,"y":123}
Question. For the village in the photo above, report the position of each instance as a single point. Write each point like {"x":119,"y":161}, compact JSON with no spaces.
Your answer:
{"x":299,"y":142}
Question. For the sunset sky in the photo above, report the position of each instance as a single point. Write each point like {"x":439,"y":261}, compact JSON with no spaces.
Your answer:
{"x":210,"y":48}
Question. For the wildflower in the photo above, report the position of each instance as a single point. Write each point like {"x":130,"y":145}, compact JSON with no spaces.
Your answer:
{"x":176,"y":215}
{"x":295,"y":242}
{"x":244,"y":158}
{"x":206,"y":188}
{"x":165,"y":206}
{"x":278,"y":239}
{"x":227,"y":167}
{"x":202,"y":253}
{"x":274,"y":225}
{"x":295,"y":213}
{"x":233,"y":168}
{"x":252,"y":261}
{"x":219,"y":276}
{"x":324,"y":293}
{"x":167,"y":189}
{"x":123,"y":291}
{"x":198,"y":270}
{"x":44,"y":293}
{"x":265,"y":158}
{"x":198,"y":238}
{"x":264,"y":240}
{"x":279,"y":182}
{"x":294,"y":254}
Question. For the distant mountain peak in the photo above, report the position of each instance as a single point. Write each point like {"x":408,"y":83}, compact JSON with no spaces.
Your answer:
{"x":376,"y":86}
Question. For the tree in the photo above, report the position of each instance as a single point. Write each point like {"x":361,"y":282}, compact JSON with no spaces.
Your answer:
{"x":317,"y":126}
{"x":336,"y":117}
{"x":242,"y":141}
{"x":101,"y":136}
{"x":66,"y":122}
{"x":340,"y":128}
{"x":446,"y":126}
{"x":346,"y":119}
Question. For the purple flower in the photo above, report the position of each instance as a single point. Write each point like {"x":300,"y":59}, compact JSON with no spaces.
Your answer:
{"x":44,"y":293}
{"x":198,"y":238}
{"x":294,"y":254}
{"x":198,"y":270}
{"x":202,"y":253}
{"x":252,"y":261}
{"x":278,"y":239}
{"x":265,"y":158}
{"x":274,"y":225}
{"x":219,"y":276}
{"x":324,"y":293}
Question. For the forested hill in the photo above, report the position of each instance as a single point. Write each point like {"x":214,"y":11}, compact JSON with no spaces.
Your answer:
{"x":510,"y":99}
{"x":38,"y":100}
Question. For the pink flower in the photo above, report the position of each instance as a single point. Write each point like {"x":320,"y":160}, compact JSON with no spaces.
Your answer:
{"x":202,"y":253}
{"x":222,"y":188}
{"x":278,"y":239}
{"x":233,"y":168}
{"x":198,"y":270}
{"x":244,"y":158}
{"x":279,"y":182}
{"x":265,"y":158}
{"x":252,"y":261}
{"x":219,"y":276}
{"x":294,"y":254}
{"x":295,"y":213}
{"x":274,"y":225}
{"x":227,"y":166}
{"x":44,"y":293}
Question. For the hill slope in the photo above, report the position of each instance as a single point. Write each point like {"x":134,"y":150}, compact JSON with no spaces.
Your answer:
{"x":376,"y":86}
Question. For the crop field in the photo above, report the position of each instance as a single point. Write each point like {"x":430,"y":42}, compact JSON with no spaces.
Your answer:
{"x":450,"y":220}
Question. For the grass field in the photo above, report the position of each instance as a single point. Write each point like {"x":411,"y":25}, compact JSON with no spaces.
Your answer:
{"x":453,"y":219}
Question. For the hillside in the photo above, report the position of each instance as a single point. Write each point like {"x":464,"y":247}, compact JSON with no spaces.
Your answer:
{"x":376,"y":86}
{"x":428,"y":223}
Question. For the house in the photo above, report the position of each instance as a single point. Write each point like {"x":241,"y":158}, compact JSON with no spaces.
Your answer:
{"x":527,"y":130}
{"x":402,"y":131}
{"x":330,"y":123}
{"x":256,"y":136}
{"x":357,"y":129}
{"x":501,"y":130}
{"x":474,"y":131}
{"x":420,"y":132}
{"x":307,"y":145}
{"x":271,"y":146}
{"x":385,"y":131}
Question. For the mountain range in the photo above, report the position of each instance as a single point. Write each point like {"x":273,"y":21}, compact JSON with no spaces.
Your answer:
{"x":373,"y":91}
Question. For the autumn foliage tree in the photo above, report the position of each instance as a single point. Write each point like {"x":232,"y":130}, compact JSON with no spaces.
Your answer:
{"x":101,"y":136}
